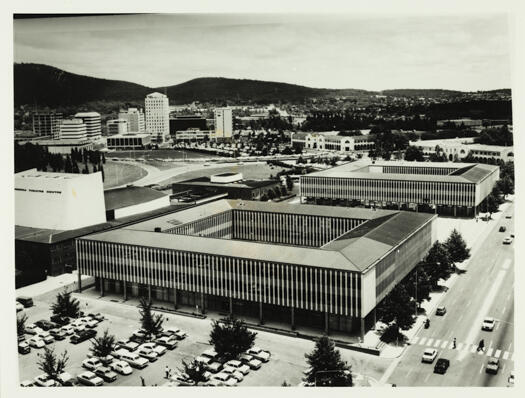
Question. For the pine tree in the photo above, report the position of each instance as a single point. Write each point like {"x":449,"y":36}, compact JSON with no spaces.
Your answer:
{"x":327,"y":367}
{"x":230,"y":337}
{"x":457,"y":247}
{"x":150,"y":322}
{"x":65,"y":305}
{"x":50,"y":364}
{"x":195,"y":371}
{"x":102,"y":346}
{"x":21,"y":324}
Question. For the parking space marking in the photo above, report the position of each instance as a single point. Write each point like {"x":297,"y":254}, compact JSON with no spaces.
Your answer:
{"x":489,"y":351}
{"x":422,"y":341}
{"x":437,"y":343}
{"x":506,"y":355}
{"x":497,"y":354}
{"x":429,"y":342}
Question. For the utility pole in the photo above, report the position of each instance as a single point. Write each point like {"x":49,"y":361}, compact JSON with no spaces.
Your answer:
{"x":416,"y":292}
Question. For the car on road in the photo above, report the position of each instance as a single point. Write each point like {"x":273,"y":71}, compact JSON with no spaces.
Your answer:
{"x":441,"y":366}
{"x":492,"y":365}
{"x":81,"y":336}
{"x":507,"y":240}
{"x":91,"y":363}
{"x":59,"y":320}
{"x":23,"y":348}
{"x":233,"y":372}
{"x":19,"y":307}
{"x":106,"y":374}
{"x":511,"y":378}
{"x":68,"y":330}
{"x":502,"y":228}
{"x":159,"y":349}
{"x":89,"y":379}
{"x":134,"y":359}
{"x":32,"y":329}
{"x":36,"y":342}
{"x":44,"y":380}
{"x":45,"y":325}
{"x":429,"y":355}
{"x":488,"y":324}
{"x":441,"y":310}
{"x":244,"y":369}
{"x":259,"y":354}
{"x":46,"y":336}
{"x":508,"y":216}
{"x":148,"y":353}
{"x":168,"y":342}
{"x":58,"y":334}
{"x":121,"y":367}
{"x":225,"y":378}
{"x":26,"y":383}
{"x":66,"y":380}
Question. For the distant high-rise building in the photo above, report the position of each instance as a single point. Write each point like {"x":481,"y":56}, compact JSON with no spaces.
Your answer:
{"x":47,"y":124}
{"x":135,"y":119}
{"x":223,"y":123}
{"x":92,"y":121}
{"x":73,"y":129}
{"x":117,"y":126}
{"x":157,"y":117}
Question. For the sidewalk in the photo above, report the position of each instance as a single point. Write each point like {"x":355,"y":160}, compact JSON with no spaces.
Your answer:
{"x":474,"y":234}
{"x":54,"y":283}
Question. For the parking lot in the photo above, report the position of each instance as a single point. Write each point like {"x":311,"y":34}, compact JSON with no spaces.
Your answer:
{"x":287,"y":353}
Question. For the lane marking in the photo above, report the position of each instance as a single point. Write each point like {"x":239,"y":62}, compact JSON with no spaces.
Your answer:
{"x":510,"y":345}
{"x":506,"y":355}
{"x":410,"y":371}
{"x":512,"y":358}
{"x":506,"y":265}
{"x":428,"y":375}
{"x":481,"y":368}
{"x":437,"y":343}
{"x":497,"y":354}
{"x":429,"y":342}
{"x":484,"y":309}
{"x":504,"y":308}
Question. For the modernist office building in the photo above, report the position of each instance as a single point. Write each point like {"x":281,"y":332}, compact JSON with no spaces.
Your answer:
{"x":47,"y":124}
{"x":446,"y":188}
{"x":92,"y":122}
{"x":307,"y":265}
{"x":157,"y":117}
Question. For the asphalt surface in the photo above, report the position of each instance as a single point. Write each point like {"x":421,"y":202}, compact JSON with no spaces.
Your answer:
{"x":485,"y":289}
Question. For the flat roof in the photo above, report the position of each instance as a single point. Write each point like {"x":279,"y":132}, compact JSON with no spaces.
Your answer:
{"x":355,"y":250}
{"x":205,"y":182}
{"x":129,"y":196}
{"x":464,"y":172}
{"x":129,"y":135}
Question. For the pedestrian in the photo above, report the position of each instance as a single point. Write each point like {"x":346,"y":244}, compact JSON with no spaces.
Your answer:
{"x":167,"y":370}
{"x":143,"y":381}
{"x":481,"y":345}
{"x":169,"y":373}
{"x":454,"y":343}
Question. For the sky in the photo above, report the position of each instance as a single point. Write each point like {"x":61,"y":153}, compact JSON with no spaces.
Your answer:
{"x":461,"y":52}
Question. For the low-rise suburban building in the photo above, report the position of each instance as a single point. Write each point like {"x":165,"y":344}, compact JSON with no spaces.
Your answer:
{"x":332,"y":141}
{"x":129,"y":141}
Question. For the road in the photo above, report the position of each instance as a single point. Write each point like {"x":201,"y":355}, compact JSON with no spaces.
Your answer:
{"x":486,"y":289}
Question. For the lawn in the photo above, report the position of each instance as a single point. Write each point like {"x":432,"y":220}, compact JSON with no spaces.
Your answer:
{"x":119,"y":174}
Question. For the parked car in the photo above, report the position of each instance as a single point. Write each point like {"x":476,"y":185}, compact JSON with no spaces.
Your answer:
{"x":210,"y":353}
{"x":488,"y":324}
{"x":148,"y":353}
{"x":160,"y":350}
{"x":98,"y":316}
{"x":182,"y":379}
{"x":244,"y":369}
{"x":45,"y":325}
{"x":131,"y":346}
{"x":58,"y":334}
{"x":492,"y":365}
{"x":36,"y":342}
{"x":66,"y":380}
{"x":21,"y":337}
{"x":68,"y":330}
{"x":44,"y":380}
{"x":26,"y":383}
{"x":441,"y":310}
{"x":507,"y":240}
{"x":502,"y":228}
{"x":105,"y":360}
{"x":177,"y":333}
{"x":214,"y":367}
{"x":89,"y":379}
{"x":92,"y":323}
{"x":32,"y":329}
{"x":91,"y":363}
{"x":134,"y":360}
{"x":441,"y":366}
{"x":19,"y":307}
{"x":429,"y":355}
{"x":121,"y":367}
{"x":225,"y":378}
{"x":25,"y":301}
{"x":233,"y":372}
{"x":214,"y":383}
{"x":23,"y":348}
{"x":254,"y":364}
{"x":46,"y":336}
{"x":106,"y":374}
{"x":79,"y":337}
{"x":59,"y":320}
{"x":203,"y":360}
{"x":169,"y":343}
{"x":245,"y":358}
{"x":259,"y":354}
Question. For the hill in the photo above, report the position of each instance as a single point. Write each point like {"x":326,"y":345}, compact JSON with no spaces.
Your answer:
{"x":427,"y":93}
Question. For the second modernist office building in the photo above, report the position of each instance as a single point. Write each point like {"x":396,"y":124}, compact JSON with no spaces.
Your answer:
{"x":303,"y":265}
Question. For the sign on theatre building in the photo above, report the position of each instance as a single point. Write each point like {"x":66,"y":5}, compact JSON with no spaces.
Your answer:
{"x":304,"y":265}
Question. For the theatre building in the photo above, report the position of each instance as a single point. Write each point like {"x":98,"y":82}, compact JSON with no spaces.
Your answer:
{"x":446,"y":188}
{"x":296,"y":264}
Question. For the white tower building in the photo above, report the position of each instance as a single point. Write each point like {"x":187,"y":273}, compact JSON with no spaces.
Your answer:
{"x":223,"y":123}
{"x":92,"y":121}
{"x":157,"y":117}
{"x":73,"y":129}
{"x":135,"y":119}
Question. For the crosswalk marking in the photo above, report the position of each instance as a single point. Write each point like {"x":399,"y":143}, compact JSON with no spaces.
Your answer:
{"x":422,"y":342}
{"x":414,"y":340}
{"x":489,"y":351}
{"x":465,"y":347}
{"x":473,"y":348}
{"x":460,"y":346}
{"x":445,"y":344}
{"x":429,"y":342}
{"x":512,"y":358}
{"x":506,"y":355}
{"x":438,"y":342}
{"x":497,"y":354}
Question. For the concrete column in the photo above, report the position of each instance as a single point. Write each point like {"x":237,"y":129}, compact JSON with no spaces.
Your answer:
{"x":398,"y":206}
{"x":326,"y":323}
{"x":455,"y":208}
{"x":231,"y":306}
{"x":261,"y":322}
{"x":202,"y":303}
{"x":125,"y":290}
{"x":149,"y":292}
{"x":101,"y":282}
{"x":375,"y":318}
{"x":175,"y":298}
{"x":362,"y":329}
{"x":292,"y":313}
{"x":79,"y":281}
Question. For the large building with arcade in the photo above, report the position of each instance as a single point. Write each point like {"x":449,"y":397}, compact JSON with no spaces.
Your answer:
{"x":455,"y":189}
{"x":317,"y":266}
